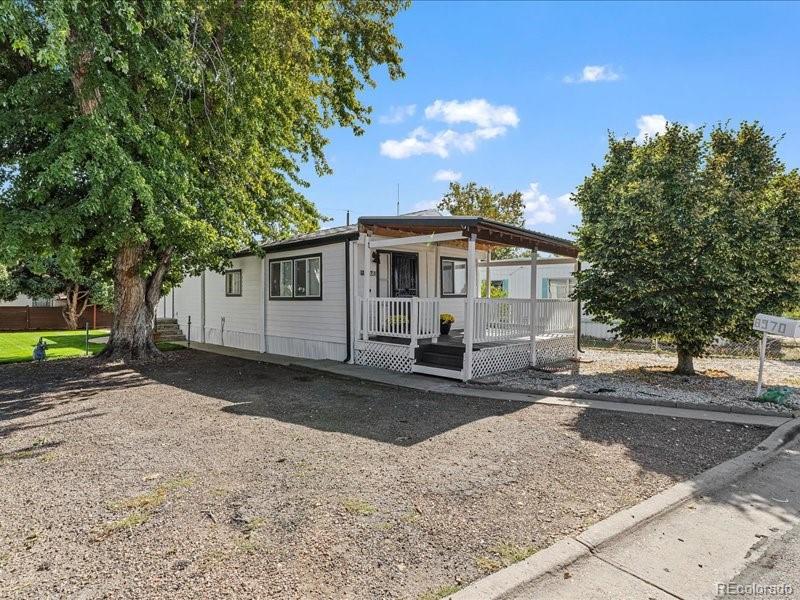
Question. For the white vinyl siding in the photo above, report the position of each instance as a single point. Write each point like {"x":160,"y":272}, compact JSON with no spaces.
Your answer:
{"x":316,"y":328}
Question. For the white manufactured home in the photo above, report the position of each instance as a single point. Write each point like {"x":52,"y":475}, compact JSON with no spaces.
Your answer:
{"x":373,"y":293}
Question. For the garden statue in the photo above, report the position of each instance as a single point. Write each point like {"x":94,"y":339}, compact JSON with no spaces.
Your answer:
{"x":39,"y":350}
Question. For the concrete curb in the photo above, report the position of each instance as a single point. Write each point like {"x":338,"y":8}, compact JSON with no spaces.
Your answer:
{"x":567,"y":551}
{"x":631,"y":400}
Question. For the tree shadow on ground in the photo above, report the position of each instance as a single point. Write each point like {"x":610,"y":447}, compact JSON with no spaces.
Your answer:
{"x":325,"y":402}
{"x":406,"y":417}
{"x":30,"y":388}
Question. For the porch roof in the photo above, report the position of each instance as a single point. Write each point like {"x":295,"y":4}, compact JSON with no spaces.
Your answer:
{"x":488,"y":233}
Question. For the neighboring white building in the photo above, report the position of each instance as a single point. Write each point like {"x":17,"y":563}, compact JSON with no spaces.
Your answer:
{"x":23,"y":300}
{"x":306,"y":298}
{"x":555,"y":278}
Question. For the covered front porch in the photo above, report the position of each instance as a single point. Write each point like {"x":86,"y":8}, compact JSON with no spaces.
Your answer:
{"x":399,"y":299}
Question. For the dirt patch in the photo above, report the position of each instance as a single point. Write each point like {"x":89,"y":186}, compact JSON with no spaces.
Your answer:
{"x":208,"y":475}
{"x":721,"y":381}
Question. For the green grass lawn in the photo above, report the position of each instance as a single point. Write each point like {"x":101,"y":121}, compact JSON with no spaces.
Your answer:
{"x":17,"y":346}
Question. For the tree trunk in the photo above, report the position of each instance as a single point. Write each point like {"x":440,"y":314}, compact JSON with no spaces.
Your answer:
{"x":135,"y":299}
{"x":685,"y":363}
{"x":74,"y":308}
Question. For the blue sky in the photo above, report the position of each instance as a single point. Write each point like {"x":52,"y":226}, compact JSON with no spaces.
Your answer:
{"x":520,"y":96}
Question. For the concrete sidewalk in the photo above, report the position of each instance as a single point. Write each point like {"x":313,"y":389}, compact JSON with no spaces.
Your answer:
{"x":444,"y":386}
{"x":721,"y":537}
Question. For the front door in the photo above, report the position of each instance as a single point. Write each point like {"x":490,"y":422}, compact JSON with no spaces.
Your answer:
{"x":405,"y":267}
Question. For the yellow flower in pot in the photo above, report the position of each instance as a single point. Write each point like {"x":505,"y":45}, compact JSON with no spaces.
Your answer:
{"x":446,"y":320}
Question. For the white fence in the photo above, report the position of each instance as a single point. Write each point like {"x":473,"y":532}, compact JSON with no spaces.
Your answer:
{"x":410,"y":318}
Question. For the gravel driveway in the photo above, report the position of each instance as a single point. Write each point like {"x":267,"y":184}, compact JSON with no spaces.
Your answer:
{"x":647,"y":375}
{"x":208,"y":476}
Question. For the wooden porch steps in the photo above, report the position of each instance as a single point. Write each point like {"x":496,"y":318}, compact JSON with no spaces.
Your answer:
{"x":441,"y":360}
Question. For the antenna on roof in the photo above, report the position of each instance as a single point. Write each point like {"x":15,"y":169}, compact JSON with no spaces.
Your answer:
{"x":398,"y":199}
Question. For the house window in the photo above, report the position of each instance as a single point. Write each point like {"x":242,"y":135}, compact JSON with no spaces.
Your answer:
{"x":558,"y":288}
{"x":500,"y":284}
{"x":280,"y":279}
{"x":307,"y":280}
{"x":297,"y":278}
{"x":233,"y":283}
{"x":454,"y":276}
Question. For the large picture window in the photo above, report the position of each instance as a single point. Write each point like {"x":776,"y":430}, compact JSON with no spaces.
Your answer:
{"x":233,"y":283}
{"x":297,"y":278}
{"x":454,"y":276}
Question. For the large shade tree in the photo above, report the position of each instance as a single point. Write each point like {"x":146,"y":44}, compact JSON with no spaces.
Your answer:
{"x":471,"y":199}
{"x":169,"y":134}
{"x":689,"y":236}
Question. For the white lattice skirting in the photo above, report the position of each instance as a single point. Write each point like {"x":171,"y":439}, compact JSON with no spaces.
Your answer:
{"x":393,"y":357}
{"x":488,"y":361}
{"x":554,"y":348}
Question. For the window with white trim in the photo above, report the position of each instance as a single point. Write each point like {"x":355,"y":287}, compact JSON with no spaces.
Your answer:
{"x":559,"y":288}
{"x":454,"y":276}
{"x":233,"y":283}
{"x":297,"y":278}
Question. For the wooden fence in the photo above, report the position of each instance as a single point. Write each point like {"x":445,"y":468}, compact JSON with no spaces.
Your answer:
{"x":31,"y":318}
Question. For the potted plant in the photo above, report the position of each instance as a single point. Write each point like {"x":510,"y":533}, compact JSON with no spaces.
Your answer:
{"x":446,"y":320}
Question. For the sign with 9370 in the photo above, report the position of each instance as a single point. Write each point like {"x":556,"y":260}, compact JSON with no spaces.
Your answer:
{"x":780,"y":326}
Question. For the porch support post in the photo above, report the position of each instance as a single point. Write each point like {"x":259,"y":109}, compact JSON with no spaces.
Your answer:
{"x":436,"y":296}
{"x":534,"y":308}
{"x":488,"y":275}
{"x":365,"y":289}
{"x":469,"y":312}
{"x":577,"y":343}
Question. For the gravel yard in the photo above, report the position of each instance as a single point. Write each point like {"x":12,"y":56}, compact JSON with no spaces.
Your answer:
{"x":204,"y":476}
{"x":646,"y":375}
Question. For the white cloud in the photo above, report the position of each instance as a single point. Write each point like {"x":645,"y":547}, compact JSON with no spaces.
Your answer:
{"x":477,"y":111}
{"x":398,"y":114}
{"x":538,"y":206}
{"x":446,"y":175}
{"x":565,"y":200}
{"x":421,"y":141}
{"x":650,"y":125}
{"x":594,"y":74}
{"x":490,"y":122}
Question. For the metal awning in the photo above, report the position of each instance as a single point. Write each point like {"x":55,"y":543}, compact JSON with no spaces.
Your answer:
{"x":488,"y":233}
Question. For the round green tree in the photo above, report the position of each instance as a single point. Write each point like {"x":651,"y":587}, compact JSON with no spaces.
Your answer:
{"x":689,"y":236}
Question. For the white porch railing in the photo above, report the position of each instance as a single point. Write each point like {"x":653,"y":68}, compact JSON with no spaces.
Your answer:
{"x":500,"y":319}
{"x":410,"y":318}
{"x":556,"y":316}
